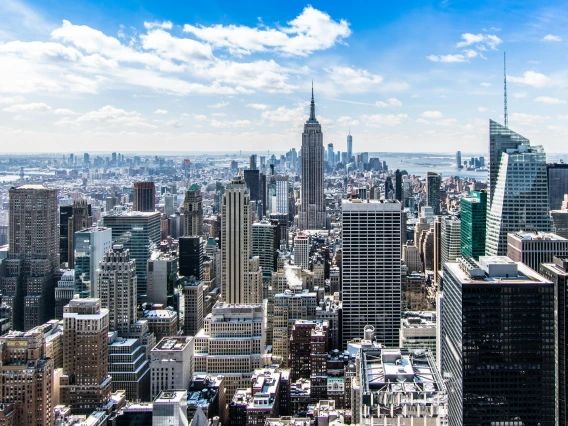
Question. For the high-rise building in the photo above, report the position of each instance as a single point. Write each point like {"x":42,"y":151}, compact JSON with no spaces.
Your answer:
{"x":450,"y":239}
{"x":557,"y":177}
{"x":90,"y":245}
{"x":302,"y":250}
{"x":193,"y":309}
{"x":161,"y":278}
{"x":64,"y":292}
{"x":433,"y":183}
{"x":264,"y":245}
{"x":252,"y":180}
{"x":129,"y":367}
{"x":85,"y":384}
{"x":519,"y":200}
{"x":144,"y":197}
{"x":534,"y":248}
{"x":241,"y":280}
{"x":398,"y":185}
{"x":473,"y":213}
{"x":330,"y":154}
{"x":252,"y":162}
{"x":138,"y":232}
{"x":459,"y":164}
{"x":371,"y":269}
{"x":65,"y":212}
{"x":26,"y":379}
{"x":191,"y":257}
{"x":497,"y":340}
{"x":501,"y":139}
{"x":117,"y":288}
{"x":170,"y":408}
{"x":281,"y":205}
{"x":560,"y":219}
{"x":221,"y":348}
{"x":557,"y":272}
{"x":312,"y":208}
{"x":171,"y":364}
{"x":28,"y":284}
{"x":349,"y":147}
{"x":193,"y":212}
{"x":80,"y":219}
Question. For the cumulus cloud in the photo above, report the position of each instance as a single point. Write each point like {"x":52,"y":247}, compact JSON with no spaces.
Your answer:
{"x":64,"y":111}
{"x":519,"y":95}
{"x":353,"y":79}
{"x":161,"y":111}
{"x":549,"y":100}
{"x":550,"y":37}
{"x":261,"y":107}
{"x":528,"y":119}
{"x":485,"y":84}
{"x":435,"y":117}
{"x":477,"y":44}
{"x":390,"y":102}
{"x":531,"y":78}
{"x":31,"y":107}
{"x":482,"y":41}
{"x":378,"y":120}
{"x":347,"y":121}
{"x":235,"y":123}
{"x":481,"y":109}
{"x":166,"y":25}
{"x":111,"y":115}
{"x":310,"y":31}
{"x":219,"y":105}
{"x":295,"y":115}
{"x":447,"y":58}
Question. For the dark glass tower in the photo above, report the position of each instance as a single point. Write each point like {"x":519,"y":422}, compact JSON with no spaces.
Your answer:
{"x":191,"y":257}
{"x":473,"y":224}
{"x":398,"y":185}
{"x":144,"y":194}
{"x":433,"y":183}
{"x":557,"y":177}
{"x":497,"y":342}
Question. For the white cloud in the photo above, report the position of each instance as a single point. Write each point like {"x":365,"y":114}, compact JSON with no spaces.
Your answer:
{"x":310,"y":31}
{"x":111,"y":115}
{"x":347,"y":121}
{"x":531,"y":78}
{"x":261,"y":107}
{"x":447,"y":58}
{"x":550,"y":37}
{"x":174,"y":123}
{"x":432,"y":114}
{"x":482,"y":41}
{"x":528,"y":119}
{"x":166,"y":25}
{"x":485,"y":84}
{"x":481,"y":109}
{"x":161,"y":111}
{"x":353,"y":79}
{"x":236,"y":123}
{"x":31,"y":107}
{"x":549,"y":100}
{"x":219,"y":105}
{"x":390,"y":102}
{"x":519,"y":95}
{"x":295,"y":115}
{"x":378,"y":120}
{"x":169,"y":47}
{"x":64,"y":111}
{"x":10,"y":100}
{"x":435,"y":117}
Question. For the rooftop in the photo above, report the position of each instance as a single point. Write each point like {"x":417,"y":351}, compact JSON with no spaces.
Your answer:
{"x":172,"y":344}
{"x":537,"y":236}
{"x":171,"y":396}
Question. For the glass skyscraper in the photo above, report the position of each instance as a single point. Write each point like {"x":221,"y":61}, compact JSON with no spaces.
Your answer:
{"x":90,"y":246}
{"x":473,"y":224}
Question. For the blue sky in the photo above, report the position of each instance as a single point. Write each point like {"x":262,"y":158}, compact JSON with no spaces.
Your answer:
{"x":223,"y":75}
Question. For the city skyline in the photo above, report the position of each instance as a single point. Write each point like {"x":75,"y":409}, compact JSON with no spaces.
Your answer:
{"x":88,"y":75}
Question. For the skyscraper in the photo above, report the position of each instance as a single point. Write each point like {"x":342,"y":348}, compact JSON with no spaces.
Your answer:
{"x":534,"y":248}
{"x":371,"y":269}
{"x":281,"y":205}
{"x":459,"y":164}
{"x":85,"y":384}
{"x":330,"y":154}
{"x":80,"y":219}
{"x":519,"y":200}
{"x":28,"y":285}
{"x":557,"y":176}
{"x":117,"y":288}
{"x":264,"y":245}
{"x":91,"y":244}
{"x":433,"y":183}
{"x":450,"y":239}
{"x":191,"y":257}
{"x":138,"y":232}
{"x":473,"y":213}
{"x":193,"y":212}
{"x":497,"y":343}
{"x":349,"y":147}
{"x":144,"y":194}
{"x":241,"y":280}
{"x":312,"y":209}
{"x":252,"y":179}
{"x":398,"y":185}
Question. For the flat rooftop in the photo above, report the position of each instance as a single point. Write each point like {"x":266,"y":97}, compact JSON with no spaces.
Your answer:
{"x":172,"y":344}
{"x":536,"y":236}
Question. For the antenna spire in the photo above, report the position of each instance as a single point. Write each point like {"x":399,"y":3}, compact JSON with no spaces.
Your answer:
{"x":505,"y":89}
{"x":312,"y":106}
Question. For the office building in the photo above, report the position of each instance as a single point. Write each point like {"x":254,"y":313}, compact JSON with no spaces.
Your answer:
{"x":193,"y":306}
{"x":161,"y":322}
{"x":371,"y":269}
{"x":418,"y":331}
{"x":312,"y":208}
{"x":64,"y":292}
{"x":129,"y":367}
{"x":302,"y":250}
{"x":144,"y":197}
{"x":193,"y":212}
{"x":171,"y":364}
{"x":139,"y":232}
{"x":231,"y":343}
{"x":386,"y":377}
{"x":473,"y":214}
{"x":161,"y":278}
{"x":411,"y":258}
{"x":450,"y":239}
{"x":398,"y":185}
{"x":349,"y":147}
{"x":534,"y":248}
{"x":117,"y":288}
{"x":26,"y":380}
{"x":433,"y":183}
{"x":557,"y":178}
{"x":90,"y":245}
{"x":170,"y":408}
{"x":80,"y":219}
{"x":241,"y":280}
{"x":65,"y":212}
{"x":264,"y":245}
{"x":560,"y":219}
{"x":557,"y":272}
{"x":191,"y":257}
{"x":330,"y":154}
{"x":207,"y":393}
{"x":252,"y":180}
{"x":28,"y":284}
{"x":501,"y":139}
{"x":282,"y":191}
{"x":497,"y":339}
{"x":520,"y":196}
{"x":85,"y":384}
{"x":459,"y":164}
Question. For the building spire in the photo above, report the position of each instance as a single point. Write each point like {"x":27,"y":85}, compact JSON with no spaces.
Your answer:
{"x":312,"y":106}
{"x":506,"y":120}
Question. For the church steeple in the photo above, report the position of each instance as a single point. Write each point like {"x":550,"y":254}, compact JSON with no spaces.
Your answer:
{"x":312,"y":106}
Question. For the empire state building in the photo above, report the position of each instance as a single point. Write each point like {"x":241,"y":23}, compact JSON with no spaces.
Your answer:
{"x":312,"y":208}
